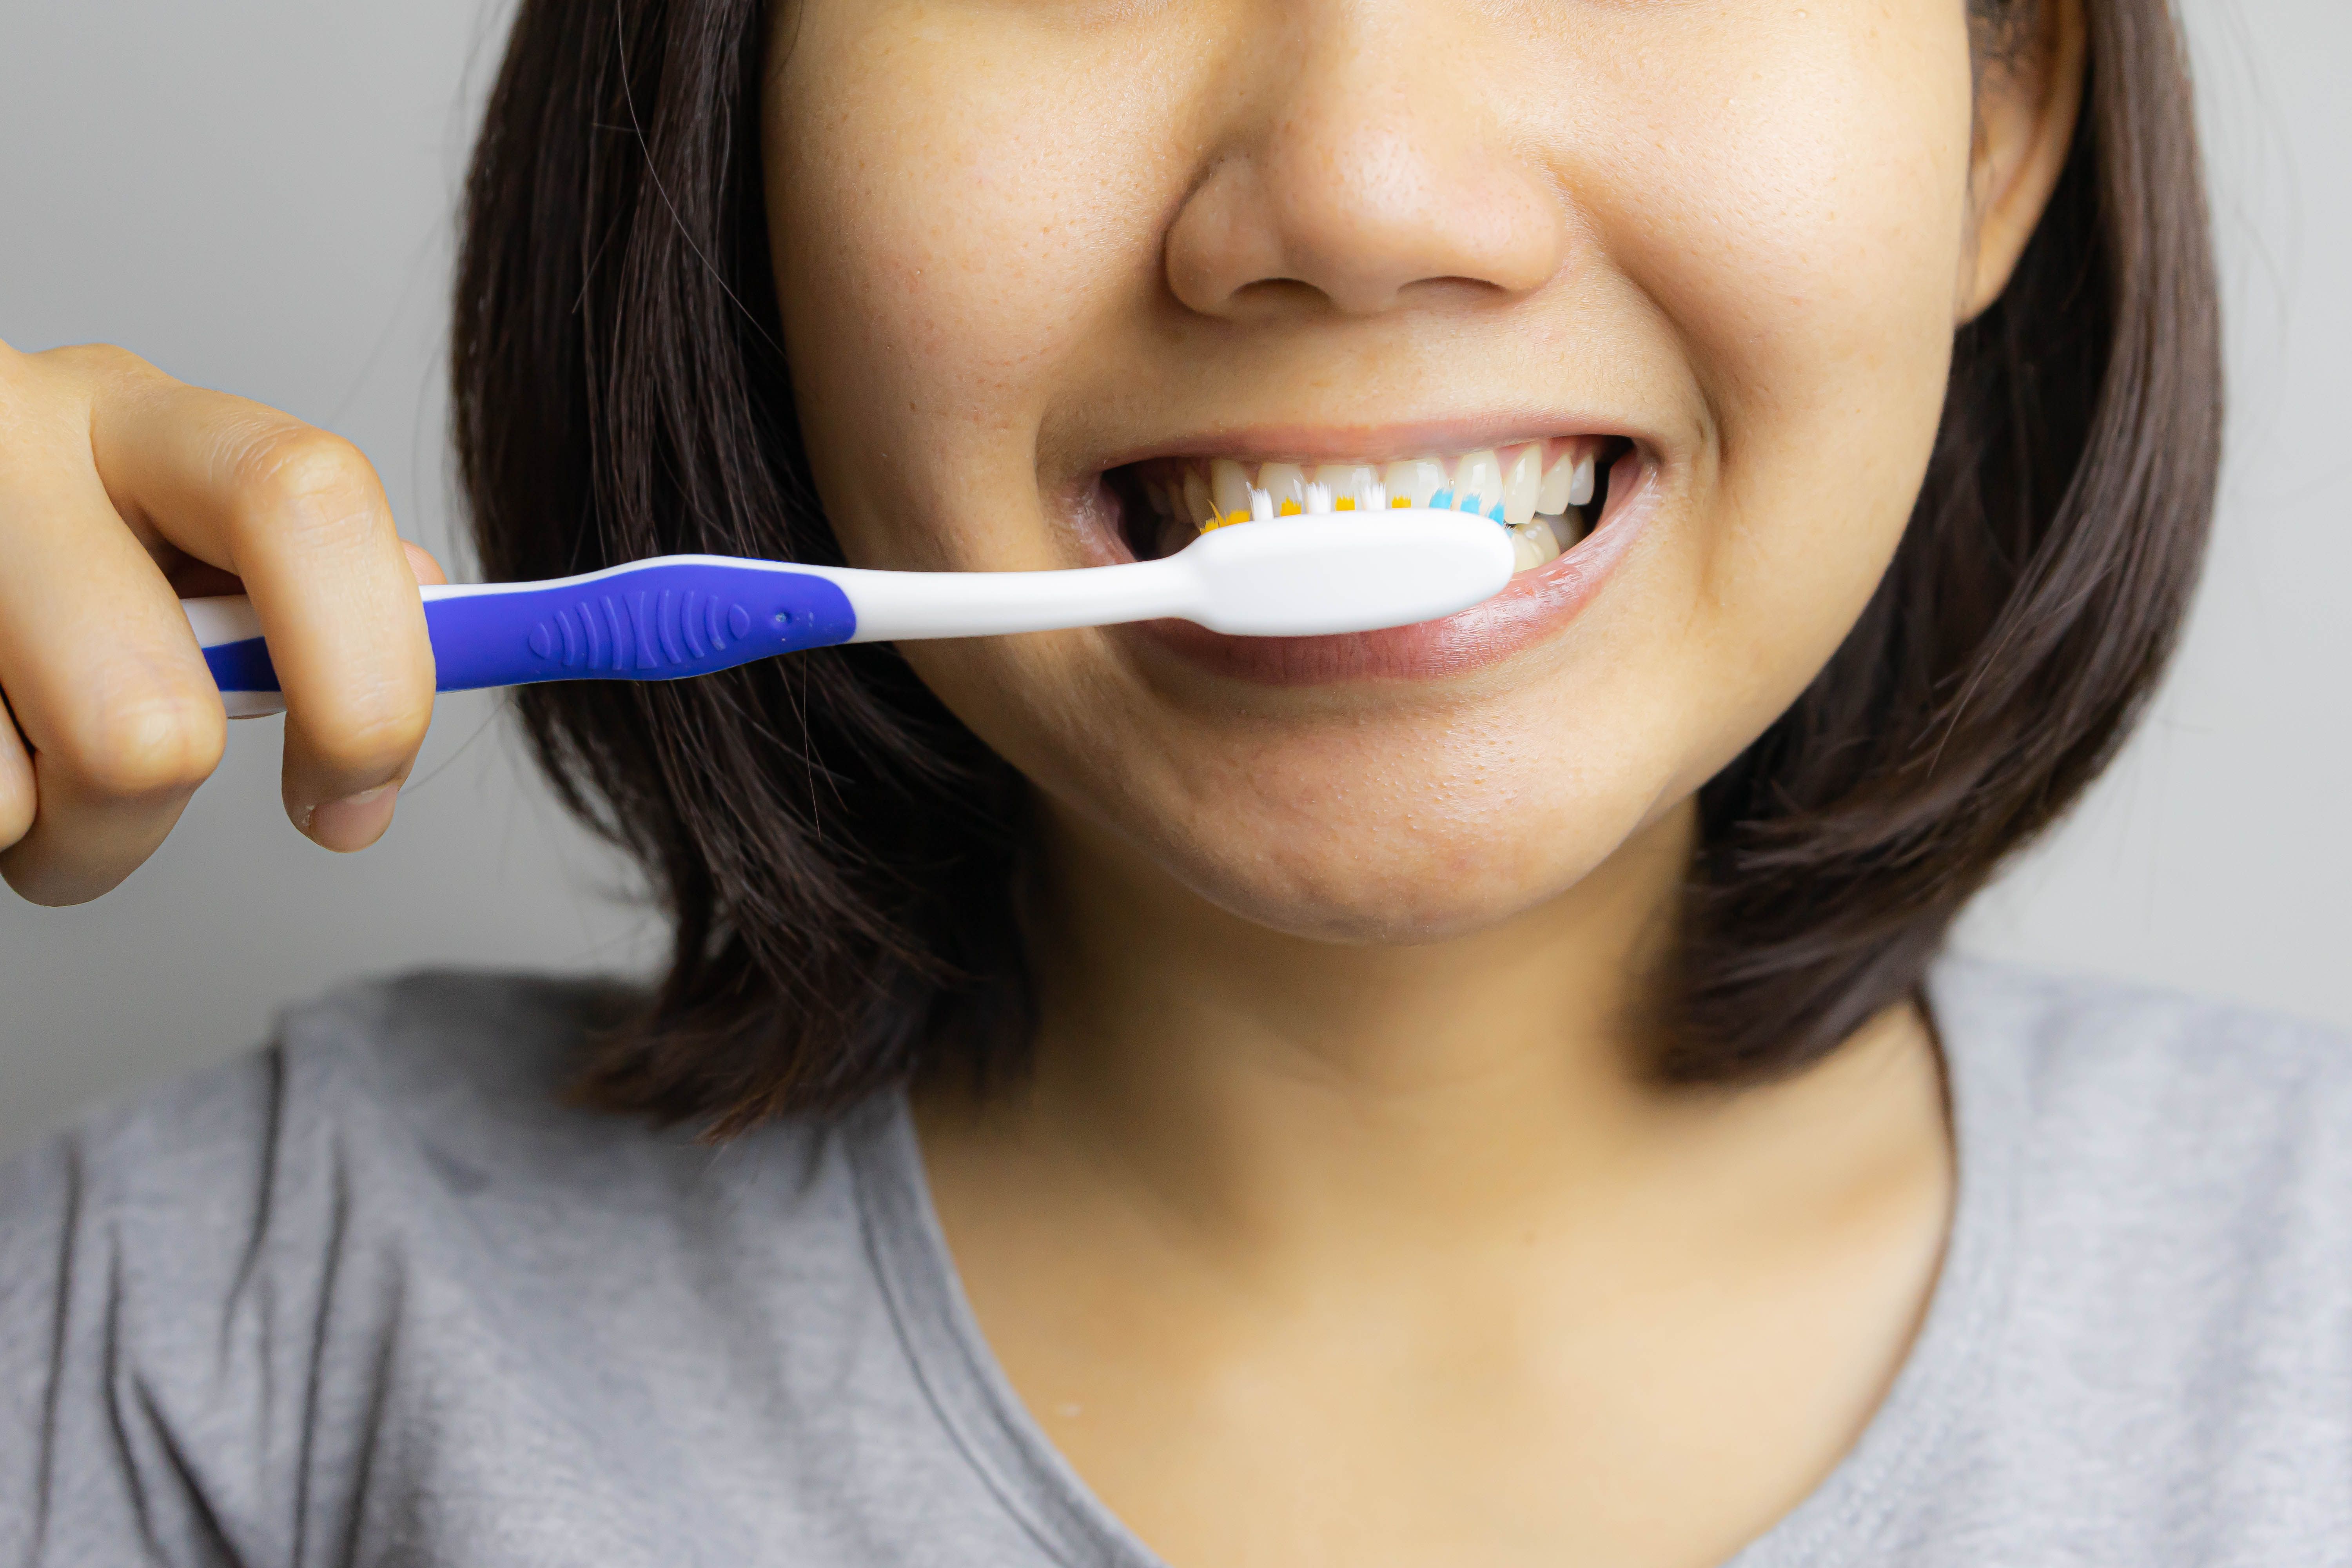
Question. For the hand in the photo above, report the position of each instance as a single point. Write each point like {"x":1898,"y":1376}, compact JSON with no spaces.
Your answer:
{"x":123,"y":491}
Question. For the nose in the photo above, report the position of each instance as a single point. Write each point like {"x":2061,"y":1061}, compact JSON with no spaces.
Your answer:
{"x":1357,"y":175}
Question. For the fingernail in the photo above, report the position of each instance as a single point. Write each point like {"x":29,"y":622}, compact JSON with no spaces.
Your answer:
{"x":353,"y":822}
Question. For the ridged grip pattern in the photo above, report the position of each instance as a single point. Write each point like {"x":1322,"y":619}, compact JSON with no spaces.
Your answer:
{"x":659,"y":620}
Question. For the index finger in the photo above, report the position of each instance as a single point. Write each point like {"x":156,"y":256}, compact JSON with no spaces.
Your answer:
{"x":297,"y":514}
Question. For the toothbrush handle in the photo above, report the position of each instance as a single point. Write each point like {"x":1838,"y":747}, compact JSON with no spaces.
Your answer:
{"x":653,"y":620}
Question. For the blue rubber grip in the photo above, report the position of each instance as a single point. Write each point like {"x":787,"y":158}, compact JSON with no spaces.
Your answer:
{"x":659,"y":620}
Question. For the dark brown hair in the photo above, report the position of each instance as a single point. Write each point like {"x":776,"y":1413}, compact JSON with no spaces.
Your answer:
{"x":838,"y":852}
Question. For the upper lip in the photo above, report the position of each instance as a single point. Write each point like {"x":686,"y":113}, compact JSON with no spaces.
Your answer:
{"x":1303,"y":443}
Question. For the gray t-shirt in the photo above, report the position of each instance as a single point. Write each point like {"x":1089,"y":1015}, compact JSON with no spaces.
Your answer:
{"x":375,"y":1296}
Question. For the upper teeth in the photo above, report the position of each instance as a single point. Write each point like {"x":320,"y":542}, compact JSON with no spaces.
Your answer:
{"x":1541,"y":479}
{"x":1528,"y":488}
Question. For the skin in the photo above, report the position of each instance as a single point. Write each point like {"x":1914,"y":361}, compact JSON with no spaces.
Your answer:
{"x":1337,"y":1221}
{"x":123,"y":491}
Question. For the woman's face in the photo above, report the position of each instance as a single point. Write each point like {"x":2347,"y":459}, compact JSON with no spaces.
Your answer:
{"x":1058,"y":276}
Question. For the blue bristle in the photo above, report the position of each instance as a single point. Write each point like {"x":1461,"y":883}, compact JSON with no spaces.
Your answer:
{"x":1442,"y":502}
{"x":1497,"y":515}
{"x":1469,"y":503}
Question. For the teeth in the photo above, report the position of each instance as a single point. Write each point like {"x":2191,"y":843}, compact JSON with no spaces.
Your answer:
{"x":1551,"y":496}
{"x":1532,"y":497}
{"x":1416,"y":480}
{"x":1287,"y":483}
{"x":1520,"y":483}
{"x":1525,"y":557}
{"x":1532,"y":544}
{"x":1229,"y":486}
{"x":1580,"y":488}
{"x":1344,"y":483}
{"x":1480,"y":476}
{"x":1198,"y":508}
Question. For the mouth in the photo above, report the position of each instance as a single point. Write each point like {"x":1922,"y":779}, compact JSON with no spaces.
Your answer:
{"x":1547,"y":494}
{"x":1571,"y":503}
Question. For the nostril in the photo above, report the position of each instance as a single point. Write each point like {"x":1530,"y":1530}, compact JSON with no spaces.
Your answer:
{"x":1359,"y":205}
{"x":1280,"y":290}
{"x":1270,"y":297}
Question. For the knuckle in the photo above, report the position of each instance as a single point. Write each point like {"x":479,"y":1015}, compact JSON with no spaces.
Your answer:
{"x":90,"y":365}
{"x":30,"y":394}
{"x":95,"y":357}
{"x":371,"y":733}
{"x":47,"y":399}
{"x":15,"y":812}
{"x":147,"y":748}
{"x":309,"y":481}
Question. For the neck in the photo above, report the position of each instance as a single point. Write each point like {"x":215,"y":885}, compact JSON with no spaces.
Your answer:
{"x":1275,"y":1097}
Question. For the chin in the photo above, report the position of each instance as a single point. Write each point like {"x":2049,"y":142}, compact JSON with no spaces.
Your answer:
{"x":1413,"y":878}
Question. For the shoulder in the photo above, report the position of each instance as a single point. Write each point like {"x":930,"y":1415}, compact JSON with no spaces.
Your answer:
{"x":432,"y":1058}
{"x":2175,"y":1179}
{"x":217,"y":1297}
{"x":2144,"y":1352}
{"x":460,"y":1058}
{"x":407,"y":1117}
{"x":2117,"y":1068}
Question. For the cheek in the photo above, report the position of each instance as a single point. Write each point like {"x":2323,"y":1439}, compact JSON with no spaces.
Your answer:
{"x":1796,"y":208}
{"x":955,"y":222}
{"x":1794,"y":203}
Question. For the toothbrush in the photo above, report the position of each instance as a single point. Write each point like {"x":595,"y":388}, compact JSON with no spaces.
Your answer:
{"x":677,"y":616}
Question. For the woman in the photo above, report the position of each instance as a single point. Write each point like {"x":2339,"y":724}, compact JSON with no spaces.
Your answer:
{"x":1481,"y":1092}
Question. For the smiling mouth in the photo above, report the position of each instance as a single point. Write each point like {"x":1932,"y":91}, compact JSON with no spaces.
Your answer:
{"x":1547,"y":494}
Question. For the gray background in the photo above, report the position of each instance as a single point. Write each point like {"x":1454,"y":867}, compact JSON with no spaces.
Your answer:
{"x":258,"y":195}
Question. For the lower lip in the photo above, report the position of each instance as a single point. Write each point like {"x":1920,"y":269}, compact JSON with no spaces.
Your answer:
{"x":1532,"y":607}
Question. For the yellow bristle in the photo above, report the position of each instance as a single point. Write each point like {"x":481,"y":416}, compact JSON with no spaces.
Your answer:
{"x":1234,"y":517}
{"x":1289,"y":509}
{"x":1345,"y":503}
{"x":1400,"y":503}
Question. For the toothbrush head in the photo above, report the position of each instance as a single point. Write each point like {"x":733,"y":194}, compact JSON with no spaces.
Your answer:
{"x":1344,"y":572}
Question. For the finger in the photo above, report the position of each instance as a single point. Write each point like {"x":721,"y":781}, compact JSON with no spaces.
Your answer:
{"x":120,"y":720}
{"x":17,"y":794}
{"x":427,"y":570}
{"x":299,"y":516}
